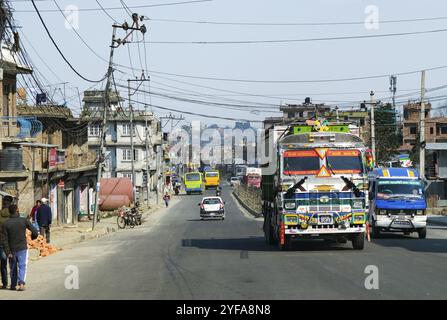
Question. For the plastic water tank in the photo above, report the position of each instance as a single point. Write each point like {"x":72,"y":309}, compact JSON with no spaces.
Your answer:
{"x":11,"y":159}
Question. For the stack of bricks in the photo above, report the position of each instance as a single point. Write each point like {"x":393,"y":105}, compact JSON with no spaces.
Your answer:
{"x":40,"y":244}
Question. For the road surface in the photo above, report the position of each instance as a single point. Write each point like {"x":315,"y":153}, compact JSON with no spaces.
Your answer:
{"x":177,"y":256}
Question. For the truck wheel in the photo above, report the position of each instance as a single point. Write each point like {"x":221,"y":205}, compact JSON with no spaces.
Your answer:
{"x":422,"y":233}
{"x":375,"y":232}
{"x":268,"y":231}
{"x":358,"y":241}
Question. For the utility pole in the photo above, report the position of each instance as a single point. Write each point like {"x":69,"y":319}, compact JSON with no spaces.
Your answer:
{"x":171,"y":119}
{"x":422,"y":129}
{"x":101,"y":152}
{"x":148,"y":155}
{"x":132,"y":147}
{"x":373,"y":128}
{"x":393,"y":89}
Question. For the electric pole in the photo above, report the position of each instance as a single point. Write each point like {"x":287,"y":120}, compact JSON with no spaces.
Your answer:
{"x":373,"y":128}
{"x":101,"y":152}
{"x":422,"y":129}
{"x":132,"y":147}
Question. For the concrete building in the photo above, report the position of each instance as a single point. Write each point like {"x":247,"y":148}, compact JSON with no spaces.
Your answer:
{"x":119,"y":157}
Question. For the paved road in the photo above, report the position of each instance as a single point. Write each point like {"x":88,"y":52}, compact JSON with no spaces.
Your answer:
{"x":177,"y":256}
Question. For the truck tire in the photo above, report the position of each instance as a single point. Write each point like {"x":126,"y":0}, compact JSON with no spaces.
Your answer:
{"x":375,"y":232}
{"x":422,"y":233}
{"x":358,"y":241}
{"x":268,"y":231}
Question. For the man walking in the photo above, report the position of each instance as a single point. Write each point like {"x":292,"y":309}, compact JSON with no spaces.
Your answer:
{"x":4,"y":215}
{"x":14,"y":242}
{"x":44,"y":217}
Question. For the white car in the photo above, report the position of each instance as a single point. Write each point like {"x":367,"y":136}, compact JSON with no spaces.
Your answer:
{"x":234,"y":181}
{"x":212,"y":207}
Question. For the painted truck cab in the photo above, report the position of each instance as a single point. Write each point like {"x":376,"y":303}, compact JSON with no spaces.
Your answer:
{"x":397,"y":202}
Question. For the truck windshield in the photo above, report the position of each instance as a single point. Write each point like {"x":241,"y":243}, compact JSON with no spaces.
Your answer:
{"x":301,"y":162}
{"x":193,"y":177}
{"x":394,"y":189}
{"x":345,"y":161}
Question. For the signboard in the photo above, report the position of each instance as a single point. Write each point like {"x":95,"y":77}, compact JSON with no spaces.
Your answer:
{"x":52,"y":158}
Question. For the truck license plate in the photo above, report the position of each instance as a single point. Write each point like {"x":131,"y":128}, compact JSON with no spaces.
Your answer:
{"x":325,"y":219}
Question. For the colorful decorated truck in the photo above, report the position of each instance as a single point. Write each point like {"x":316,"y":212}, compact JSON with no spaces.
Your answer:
{"x":316,"y":187}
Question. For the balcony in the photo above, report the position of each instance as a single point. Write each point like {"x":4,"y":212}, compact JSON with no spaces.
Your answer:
{"x":19,"y":128}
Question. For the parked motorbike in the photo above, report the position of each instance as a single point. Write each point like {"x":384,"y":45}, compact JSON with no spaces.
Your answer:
{"x":177,"y":190}
{"x":129,"y":217}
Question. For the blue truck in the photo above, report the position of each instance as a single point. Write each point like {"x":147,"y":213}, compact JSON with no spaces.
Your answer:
{"x":397,"y":202}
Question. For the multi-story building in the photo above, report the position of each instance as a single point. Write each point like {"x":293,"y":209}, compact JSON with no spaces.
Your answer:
{"x":119,"y":157}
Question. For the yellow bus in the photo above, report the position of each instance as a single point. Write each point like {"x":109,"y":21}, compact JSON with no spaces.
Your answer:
{"x":212,"y":179}
{"x":193,"y":182}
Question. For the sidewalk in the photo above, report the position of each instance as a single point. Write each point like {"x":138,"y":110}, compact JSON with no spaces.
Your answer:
{"x":65,"y":237}
{"x":437,"y":220}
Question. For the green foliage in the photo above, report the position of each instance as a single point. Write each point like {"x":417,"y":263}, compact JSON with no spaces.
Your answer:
{"x":387,"y":133}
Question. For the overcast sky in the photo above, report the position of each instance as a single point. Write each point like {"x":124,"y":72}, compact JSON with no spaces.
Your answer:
{"x":310,"y":60}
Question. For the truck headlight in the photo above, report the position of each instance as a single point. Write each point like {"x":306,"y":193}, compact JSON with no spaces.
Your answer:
{"x":291,"y":220}
{"x":359,"y":219}
{"x":289,"y":205}
{"x":357,"y":204}
{"x":420,"y":212}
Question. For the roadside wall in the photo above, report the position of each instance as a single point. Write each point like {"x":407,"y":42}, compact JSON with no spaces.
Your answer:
{"x":250,"y":198}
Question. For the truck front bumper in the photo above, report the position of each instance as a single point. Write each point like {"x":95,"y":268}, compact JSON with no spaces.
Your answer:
{"x":318,"y":230}
{"x":401,"y":223}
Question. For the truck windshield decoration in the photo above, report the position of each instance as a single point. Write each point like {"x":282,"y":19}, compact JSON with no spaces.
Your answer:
{"x":400,"y":189}
{"x":193,"y":177}
{"x":344,"y":161}
{"x":301,"y":162}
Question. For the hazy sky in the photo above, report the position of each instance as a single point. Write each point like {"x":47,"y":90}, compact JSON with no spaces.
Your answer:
{"x":263,"y":61}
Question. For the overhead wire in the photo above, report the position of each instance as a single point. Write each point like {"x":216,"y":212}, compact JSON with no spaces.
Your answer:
{"x":59,"y":50}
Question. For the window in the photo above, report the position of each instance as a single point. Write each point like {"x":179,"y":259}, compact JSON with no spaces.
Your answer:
{"x":301,"y":114}
{"x":413,"y":130}
{"x":431,"y":130}
{"x":193,"y":177}
{"x":344,"y":161}
{"x":362,"y":122}
{"x":127,"y":155}
{"x":127,"y":175}
{"x":301,"y":162}
{"x":126,"y":129}
{"x":290,"y":115}
{"x":94,"y":130}
{"x":135,"y":155}
{"x":443,"y":130}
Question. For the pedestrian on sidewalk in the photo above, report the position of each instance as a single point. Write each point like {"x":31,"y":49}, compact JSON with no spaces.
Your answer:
{"x":167,"y":198}
{"x":16,"y":247}
{"x":4,"y":216}
{"x":33,"y":214}
{"x":44,"y":217}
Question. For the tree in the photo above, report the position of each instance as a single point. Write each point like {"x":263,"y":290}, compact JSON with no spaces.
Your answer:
{"x":387,"y":133}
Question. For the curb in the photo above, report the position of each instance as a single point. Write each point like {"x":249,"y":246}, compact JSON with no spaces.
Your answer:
{"x":250,"y":210}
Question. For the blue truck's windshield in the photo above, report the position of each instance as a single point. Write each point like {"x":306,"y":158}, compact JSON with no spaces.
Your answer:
{"x":395,"y":189}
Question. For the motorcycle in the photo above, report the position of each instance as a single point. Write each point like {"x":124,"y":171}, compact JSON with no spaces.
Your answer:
{"x":218,"y":192}
{"x":129,"y":217}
